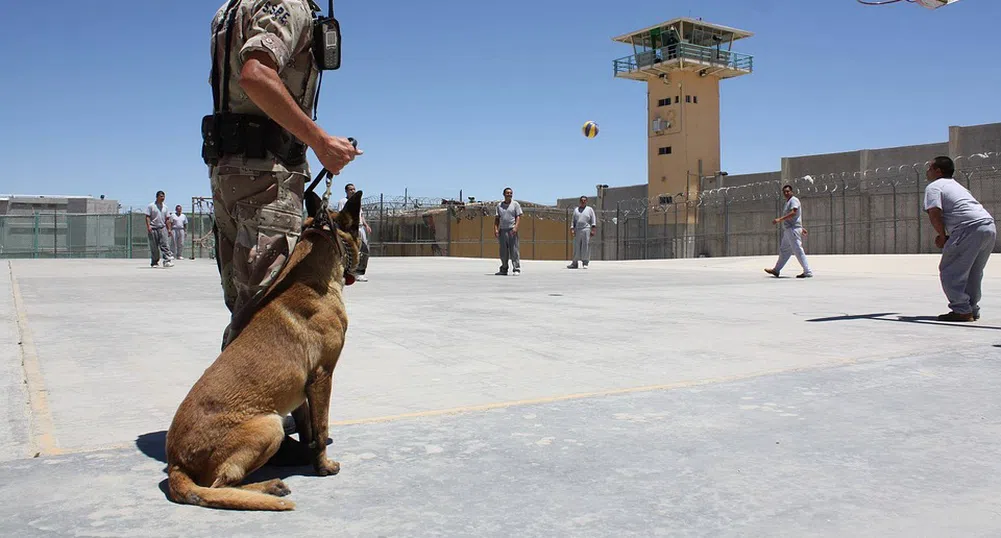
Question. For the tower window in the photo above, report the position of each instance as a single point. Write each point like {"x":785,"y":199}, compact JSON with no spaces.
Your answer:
{"x":664,"y":102}
{"x":664,"y":151}
{"x":688,"y":98}
{"x":695,"y":99}
{"x":676,"y":98}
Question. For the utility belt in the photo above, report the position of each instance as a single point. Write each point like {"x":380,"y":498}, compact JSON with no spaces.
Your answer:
{"x":251,"y":136}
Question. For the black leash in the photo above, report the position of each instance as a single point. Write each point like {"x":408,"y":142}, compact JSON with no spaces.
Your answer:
{"x":326,"y":173}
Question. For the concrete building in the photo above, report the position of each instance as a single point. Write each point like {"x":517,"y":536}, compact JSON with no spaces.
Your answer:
{"x":58,"y":226}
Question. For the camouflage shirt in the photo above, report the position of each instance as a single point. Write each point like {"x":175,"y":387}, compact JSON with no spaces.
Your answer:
{"x":283,"y":29}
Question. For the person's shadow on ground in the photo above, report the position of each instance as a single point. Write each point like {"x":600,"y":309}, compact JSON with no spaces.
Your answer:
{"x":292,"y":459}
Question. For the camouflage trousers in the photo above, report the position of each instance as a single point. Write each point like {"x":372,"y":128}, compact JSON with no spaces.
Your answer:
{"x":258,"y":220}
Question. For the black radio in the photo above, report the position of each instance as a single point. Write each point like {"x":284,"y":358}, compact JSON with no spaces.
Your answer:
{"x":327,"y":40}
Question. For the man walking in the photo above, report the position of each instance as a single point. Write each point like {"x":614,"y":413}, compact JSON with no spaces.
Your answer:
{"x":966,"y":235}
{"x":582,"y":227}
{"x":792,"y":236}
{"x":363,"y":231}
{"x":506,"y":231}
{"x":178,"y":222}
{"x":156,"y":223}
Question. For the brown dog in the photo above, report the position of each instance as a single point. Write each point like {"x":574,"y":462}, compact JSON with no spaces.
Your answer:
{"x":230,"y":423}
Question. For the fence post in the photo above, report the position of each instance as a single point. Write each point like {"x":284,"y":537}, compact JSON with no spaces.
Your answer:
{"x":646,"y":229}
{"x":566,"y":236}
{"x":917,"y":183}
{"x":844,"y":216}
{"x":618,"y":220}
{"x":726,"y":225}
{"x":55,"y":235}
{"x":34,"y":235}
{"x":894,"y":185}
{"x":535,"y":221}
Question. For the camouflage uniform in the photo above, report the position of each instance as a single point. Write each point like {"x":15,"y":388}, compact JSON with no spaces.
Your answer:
{"x":258,"y":202}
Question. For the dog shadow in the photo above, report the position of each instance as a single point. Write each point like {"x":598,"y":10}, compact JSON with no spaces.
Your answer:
{"x":292,"y":459}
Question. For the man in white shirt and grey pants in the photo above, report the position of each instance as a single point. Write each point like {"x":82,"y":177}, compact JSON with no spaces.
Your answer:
{"x":792,"y":236}
{"x":966,"y":235}
{"x":156,"y":223}
{"x":582,"y":226}
{"x":506,"y":223}
{"x":178,"y":223}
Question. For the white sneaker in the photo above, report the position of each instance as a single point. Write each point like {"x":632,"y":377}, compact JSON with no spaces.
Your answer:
{"x":168,"y":263}
{"x":361,"y":278}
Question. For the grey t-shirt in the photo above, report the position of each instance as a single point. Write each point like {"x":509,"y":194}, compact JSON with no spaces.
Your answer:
{"x":583,"y":219}
{"x":507,"y":213}
{"x":796,"y":221}
{"x":157,"y":216}
{"x":959,"y":207}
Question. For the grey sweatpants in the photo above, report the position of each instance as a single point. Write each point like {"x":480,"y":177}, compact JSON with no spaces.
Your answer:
{"x":365,"y":252}
{"x":582,"y":246}
{"x":158,"y":246}
{"x":509,"y":250}
{"x":792,"y":243}
{"x":961,"y":269}
{"x":178,"y":238}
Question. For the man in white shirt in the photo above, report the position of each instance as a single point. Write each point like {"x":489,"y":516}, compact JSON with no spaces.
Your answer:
{"x":156,"y":223}
{"x":363,"y":231}
{"x":506,"y":221}
{"x":582,"y":226}
{"x":792,"y":236}
{"x":966,"y":235}
{"x":178,"y":223}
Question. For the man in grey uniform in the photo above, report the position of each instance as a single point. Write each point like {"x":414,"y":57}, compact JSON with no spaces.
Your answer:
{"x":966,"y":235}
{"x":582,"y":226}
{"x":506,"y":230}
{"x":156,"y":223}
{"x":792,"y":236}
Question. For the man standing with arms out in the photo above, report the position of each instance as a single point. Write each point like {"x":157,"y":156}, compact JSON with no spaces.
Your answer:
{"x":506,"y":230}
{"x":264,"y":83}
{"x":156,"y":223}
{"x":582,"y":226}
{"x":966,"y":235}
{"x":792,"y":236}
{"x":178,"y":223}
{"x":363,"y":231}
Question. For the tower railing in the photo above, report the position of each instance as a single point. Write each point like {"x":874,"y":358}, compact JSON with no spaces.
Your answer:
{"x":711,"y":56}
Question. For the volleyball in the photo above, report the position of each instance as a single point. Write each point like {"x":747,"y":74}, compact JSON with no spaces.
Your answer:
{"x":590,"y":129}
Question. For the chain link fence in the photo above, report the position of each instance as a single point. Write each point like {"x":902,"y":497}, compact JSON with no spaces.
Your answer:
{"x":854,"y":212}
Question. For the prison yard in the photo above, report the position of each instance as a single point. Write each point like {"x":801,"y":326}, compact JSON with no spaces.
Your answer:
{"x":684,"y":397}
{"x":669,"y":386}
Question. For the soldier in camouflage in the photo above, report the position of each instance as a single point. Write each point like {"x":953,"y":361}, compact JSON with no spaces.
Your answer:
{"x":258,"y":201}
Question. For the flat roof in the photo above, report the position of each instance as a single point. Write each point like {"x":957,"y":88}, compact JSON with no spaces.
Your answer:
{"x":737,"y":33}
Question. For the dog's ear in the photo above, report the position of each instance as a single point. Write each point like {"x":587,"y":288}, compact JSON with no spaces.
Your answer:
{"x":347,"y":218}
{"x":312,"y":203}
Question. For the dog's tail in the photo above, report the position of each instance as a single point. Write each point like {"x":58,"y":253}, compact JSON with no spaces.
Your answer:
{"x":184,"y":490}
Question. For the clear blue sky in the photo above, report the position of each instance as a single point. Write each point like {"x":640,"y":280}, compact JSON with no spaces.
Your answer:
{"x":106,"y":98}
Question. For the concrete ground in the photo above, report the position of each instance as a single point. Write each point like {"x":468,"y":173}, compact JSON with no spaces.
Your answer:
{"x":649,"y":398}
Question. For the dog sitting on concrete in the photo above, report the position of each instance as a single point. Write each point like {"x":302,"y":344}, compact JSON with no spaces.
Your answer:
{"x":282,"y":361}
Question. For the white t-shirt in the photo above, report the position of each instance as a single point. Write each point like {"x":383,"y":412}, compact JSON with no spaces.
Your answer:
{"x":178,"y":222}
{"x":959,"y":207}
{"x":157,"y":216}
{"x":797,"y":220}
{"x":583,"y":219}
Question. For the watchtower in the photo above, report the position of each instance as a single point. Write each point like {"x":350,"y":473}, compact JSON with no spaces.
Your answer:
{"x":682,"y":62}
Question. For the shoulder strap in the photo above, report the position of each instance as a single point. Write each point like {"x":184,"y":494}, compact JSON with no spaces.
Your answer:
{"x":227,"y":22}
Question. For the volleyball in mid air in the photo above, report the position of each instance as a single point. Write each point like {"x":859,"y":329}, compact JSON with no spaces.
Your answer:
{"x":590,"y":129}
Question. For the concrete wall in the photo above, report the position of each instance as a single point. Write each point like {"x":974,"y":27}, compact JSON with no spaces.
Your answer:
{"x":974,"y":139}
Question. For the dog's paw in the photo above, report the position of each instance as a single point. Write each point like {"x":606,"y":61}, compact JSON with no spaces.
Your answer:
{"x":277,"y":488}
{"x":327,"y":467}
